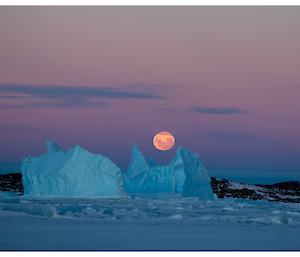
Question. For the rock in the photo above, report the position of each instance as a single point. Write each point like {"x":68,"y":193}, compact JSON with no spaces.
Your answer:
{"x":12,"y":183}
{"x":288,"y":192}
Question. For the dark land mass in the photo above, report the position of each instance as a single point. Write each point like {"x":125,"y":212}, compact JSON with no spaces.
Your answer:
{"x":288,"y":192}
{"x":12,"y":183}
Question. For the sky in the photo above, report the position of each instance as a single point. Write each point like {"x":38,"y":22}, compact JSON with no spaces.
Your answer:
{"x":224,"y":81}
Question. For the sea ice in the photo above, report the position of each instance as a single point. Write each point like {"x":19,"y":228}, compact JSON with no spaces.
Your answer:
{"x":173,"y":223}
{"x":185,"y":174}
{"x":76,"y":172}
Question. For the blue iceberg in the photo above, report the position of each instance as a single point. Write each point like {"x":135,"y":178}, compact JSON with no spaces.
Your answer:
{"x":143,"y":176}
{"x":185,"y":174}
{"x":76,"y":172}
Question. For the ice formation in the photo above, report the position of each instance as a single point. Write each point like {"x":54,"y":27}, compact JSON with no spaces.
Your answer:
{"x":143,"y":176}
{"x":185,"y":174}
{"x":76,"y":172}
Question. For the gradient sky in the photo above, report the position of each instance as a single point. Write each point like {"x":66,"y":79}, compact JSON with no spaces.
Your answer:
{"x":225,"y":81}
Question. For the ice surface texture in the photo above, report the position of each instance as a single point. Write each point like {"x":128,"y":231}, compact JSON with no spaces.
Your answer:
{"x":76,"y":172}
{"x":163,"y":223}
{"x":185,"y":174}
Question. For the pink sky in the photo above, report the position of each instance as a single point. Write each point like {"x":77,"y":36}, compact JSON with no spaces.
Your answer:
{"x":224,"y":81}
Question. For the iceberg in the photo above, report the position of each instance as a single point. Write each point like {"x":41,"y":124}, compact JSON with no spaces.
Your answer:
{"x":143,"y":176}
{"x":185,"y":174}
{"x":76,"y":172}
{"x":193,"y":177}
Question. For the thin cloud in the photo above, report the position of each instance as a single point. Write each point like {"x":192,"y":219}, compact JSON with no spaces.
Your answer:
{"x":69,"y":103}
{"x":207,"y":110}
{"x":61,"y":92}
{"x":67,"y":96}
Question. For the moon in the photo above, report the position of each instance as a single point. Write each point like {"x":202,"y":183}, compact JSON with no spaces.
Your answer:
{"x":163,"y":141}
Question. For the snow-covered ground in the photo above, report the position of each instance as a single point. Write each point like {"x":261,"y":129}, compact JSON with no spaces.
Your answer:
{"x":152,"y":222}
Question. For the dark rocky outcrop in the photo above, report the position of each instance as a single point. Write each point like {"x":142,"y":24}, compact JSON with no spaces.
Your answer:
{"x":12,"y":183}
{"x":288,"y":192}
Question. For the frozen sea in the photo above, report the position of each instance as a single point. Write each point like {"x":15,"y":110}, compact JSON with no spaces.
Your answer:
{"x":152,"y":222}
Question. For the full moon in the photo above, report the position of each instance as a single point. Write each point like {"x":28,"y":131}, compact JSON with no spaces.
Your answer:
{"x":163,"y":141}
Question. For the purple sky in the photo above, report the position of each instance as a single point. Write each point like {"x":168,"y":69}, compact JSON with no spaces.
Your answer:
{"x":225,"y":81}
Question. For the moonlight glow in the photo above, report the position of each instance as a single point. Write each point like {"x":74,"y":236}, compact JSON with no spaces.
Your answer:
{"x":163,"y":141}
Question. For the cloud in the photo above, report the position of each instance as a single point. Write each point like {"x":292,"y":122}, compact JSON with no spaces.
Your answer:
{"x":62,"y":92}
{"x":50,"y":96}
{"x":69,"y":103}
{"x":205,"y":110}
{"x":208,"y":110}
